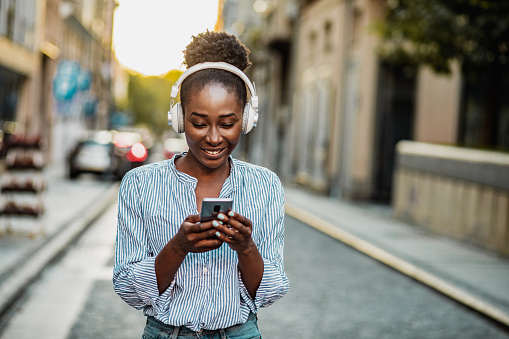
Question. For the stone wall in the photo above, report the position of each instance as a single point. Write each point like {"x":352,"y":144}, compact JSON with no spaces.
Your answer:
{"x":460,"y":192}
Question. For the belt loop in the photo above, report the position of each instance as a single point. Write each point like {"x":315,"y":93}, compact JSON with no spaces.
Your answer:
{"x":175,"y":333}
{"x":222,"y":333}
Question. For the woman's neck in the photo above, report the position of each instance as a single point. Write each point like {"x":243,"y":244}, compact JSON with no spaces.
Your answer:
{"x":189,"y":165}
{"x":210,"y":180}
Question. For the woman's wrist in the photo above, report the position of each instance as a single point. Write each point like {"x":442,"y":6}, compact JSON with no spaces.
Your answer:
{"x":174,"y":247}
{"x":249,"y":250}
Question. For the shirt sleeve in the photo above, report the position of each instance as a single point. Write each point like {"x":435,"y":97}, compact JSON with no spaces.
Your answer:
{"x":134,"y":277}
{"x":274,"y":282}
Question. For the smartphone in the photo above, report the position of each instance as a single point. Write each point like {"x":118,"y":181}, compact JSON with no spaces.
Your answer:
{"x":211,"y":207}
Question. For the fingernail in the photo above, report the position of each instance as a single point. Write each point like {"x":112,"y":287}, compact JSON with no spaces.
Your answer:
{"x":215,"y":223}
{"x":231,"y":214}
{"x":220,"y":216}
{"x":218,"y":234}
{"x":222,"y":223}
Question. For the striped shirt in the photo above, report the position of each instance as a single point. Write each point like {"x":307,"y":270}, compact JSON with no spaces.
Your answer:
{"x":207,"y":291}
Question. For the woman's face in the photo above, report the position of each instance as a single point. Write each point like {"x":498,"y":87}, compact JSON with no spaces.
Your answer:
{"x":212,"y":123}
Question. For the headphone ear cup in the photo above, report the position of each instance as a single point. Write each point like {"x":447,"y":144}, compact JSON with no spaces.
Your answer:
{"x":180,"y":118}
{"x":245,"y":119}
{"x":248,"y":118}
{"x":176,"y":118}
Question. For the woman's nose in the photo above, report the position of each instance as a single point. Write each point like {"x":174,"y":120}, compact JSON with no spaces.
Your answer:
{"x":214,"y":136}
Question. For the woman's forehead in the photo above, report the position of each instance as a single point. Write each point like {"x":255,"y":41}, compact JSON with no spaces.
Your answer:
{"x":215,"y":95}
{"x":214,"y":89}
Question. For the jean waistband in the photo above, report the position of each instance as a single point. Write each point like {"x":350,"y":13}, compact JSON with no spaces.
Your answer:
{"x":184,"y":330}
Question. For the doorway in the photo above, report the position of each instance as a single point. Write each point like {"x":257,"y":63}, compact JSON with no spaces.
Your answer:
{"x":394,"y":122}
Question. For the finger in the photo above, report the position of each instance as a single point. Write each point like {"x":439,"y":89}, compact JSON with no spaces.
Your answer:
{"x":223,"y":228}
{"x":223,"y":219}
{"x":208,"y":234}
{"x":242,"y":219}
{"x":197,"y":227}
{"x":220,"y":235}
{"x":224,"y":238}
{"x":204,"y":240}
{"x":190,"y":227}
{"x":194,"y":218}
{"x":237,"y":226}
{"x":210,"y":242}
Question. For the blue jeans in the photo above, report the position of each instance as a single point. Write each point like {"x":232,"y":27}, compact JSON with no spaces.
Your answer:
{"x":158,"y":330}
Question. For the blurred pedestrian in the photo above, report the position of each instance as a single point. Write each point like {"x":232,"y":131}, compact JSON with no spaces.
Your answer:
{"x":207,"y":279}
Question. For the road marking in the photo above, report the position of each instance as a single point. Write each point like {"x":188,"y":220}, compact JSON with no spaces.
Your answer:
{"x":397,"y":264}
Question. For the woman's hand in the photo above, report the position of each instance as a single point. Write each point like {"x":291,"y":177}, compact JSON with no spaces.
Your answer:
{"x":235,"y":230}
{"x":196,"y":237}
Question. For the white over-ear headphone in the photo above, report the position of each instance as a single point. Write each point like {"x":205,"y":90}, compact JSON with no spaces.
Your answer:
{"x":250,"y":114}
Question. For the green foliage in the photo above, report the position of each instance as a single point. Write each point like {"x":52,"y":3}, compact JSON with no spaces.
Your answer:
{"x":435,"y":32}
{"x":149,"y":99}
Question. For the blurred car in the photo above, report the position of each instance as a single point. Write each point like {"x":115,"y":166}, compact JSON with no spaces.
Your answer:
{"x":130,"y":151}
{"x":110,"y":154}
{"x":92,"y":155}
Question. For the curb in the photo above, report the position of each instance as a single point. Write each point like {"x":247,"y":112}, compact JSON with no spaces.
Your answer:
{"x":398,"y":264}
{"x":14,"y":286}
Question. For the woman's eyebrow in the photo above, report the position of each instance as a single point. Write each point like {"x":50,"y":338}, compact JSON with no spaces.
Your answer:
{"x":228,"y":115}
{"x":206,"y":115}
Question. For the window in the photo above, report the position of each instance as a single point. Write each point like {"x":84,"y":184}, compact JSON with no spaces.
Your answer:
{"x":17,"y":21}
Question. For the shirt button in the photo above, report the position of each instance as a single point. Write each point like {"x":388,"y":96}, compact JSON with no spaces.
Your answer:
{"x":205,"y":270}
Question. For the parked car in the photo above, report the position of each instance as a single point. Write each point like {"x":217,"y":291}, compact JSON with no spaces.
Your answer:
{"x":110,"y":154}
{"x":92,"y":155}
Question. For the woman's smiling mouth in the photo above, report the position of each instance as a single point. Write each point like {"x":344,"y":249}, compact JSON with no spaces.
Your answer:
{"x":214,"y":152}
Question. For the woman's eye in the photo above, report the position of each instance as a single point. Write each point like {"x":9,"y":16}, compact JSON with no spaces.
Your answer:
{"x":229,"y":125}
{"x":197,"y":125}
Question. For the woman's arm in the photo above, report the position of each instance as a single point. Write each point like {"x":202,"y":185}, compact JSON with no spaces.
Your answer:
{"x":192,"y":236}
{"x":251,"y":270}
{"x":139,"y":276}
{"x":133,"y":274}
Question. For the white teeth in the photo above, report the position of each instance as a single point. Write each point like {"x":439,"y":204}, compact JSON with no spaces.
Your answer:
{"x":213,"y":152}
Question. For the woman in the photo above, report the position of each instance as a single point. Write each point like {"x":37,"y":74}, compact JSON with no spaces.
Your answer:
{"x":191,"y":277}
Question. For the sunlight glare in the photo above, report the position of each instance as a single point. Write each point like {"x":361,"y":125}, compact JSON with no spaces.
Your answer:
{"x":149,"y":36}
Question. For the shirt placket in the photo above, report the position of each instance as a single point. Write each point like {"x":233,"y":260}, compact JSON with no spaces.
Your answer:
{"x":228,"y":186}
{"x":205,"y":269}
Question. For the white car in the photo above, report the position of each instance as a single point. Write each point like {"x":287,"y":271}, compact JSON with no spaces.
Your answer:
{"x":91,"y":156}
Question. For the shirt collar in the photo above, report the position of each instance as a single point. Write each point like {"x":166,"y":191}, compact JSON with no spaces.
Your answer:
{"x":181,"y":176}
{"x":231,"y":183}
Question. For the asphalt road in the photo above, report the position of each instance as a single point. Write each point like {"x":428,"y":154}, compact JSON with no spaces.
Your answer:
{"x":335,"y":292}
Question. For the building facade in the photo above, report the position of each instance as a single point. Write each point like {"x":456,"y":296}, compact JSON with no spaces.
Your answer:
{"x":39,"y":38}
{"x":332,"y":114}
{"x":21,"y":28}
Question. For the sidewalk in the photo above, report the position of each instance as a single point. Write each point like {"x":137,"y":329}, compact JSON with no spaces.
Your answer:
{"x":474,"y":277}
{"x":70,"y":207}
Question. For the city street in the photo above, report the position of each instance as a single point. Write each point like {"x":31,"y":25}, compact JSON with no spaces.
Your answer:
{"x":336,"y":292}
{"x":385,"y":123}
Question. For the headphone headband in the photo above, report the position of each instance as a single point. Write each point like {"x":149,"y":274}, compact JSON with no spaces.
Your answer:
{"x":218,"y":65}
{"x":250,"y":112}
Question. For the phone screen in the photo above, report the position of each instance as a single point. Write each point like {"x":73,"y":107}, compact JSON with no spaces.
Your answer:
{"x":211,"y":207}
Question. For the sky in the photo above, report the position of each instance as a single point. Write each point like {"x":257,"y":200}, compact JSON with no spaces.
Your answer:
{"x":150,"y":35}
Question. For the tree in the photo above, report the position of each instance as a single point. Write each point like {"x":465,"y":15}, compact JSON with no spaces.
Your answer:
{"x":436,"y":32}
{"x":475,"y":33}
{"x":149,"y":99}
